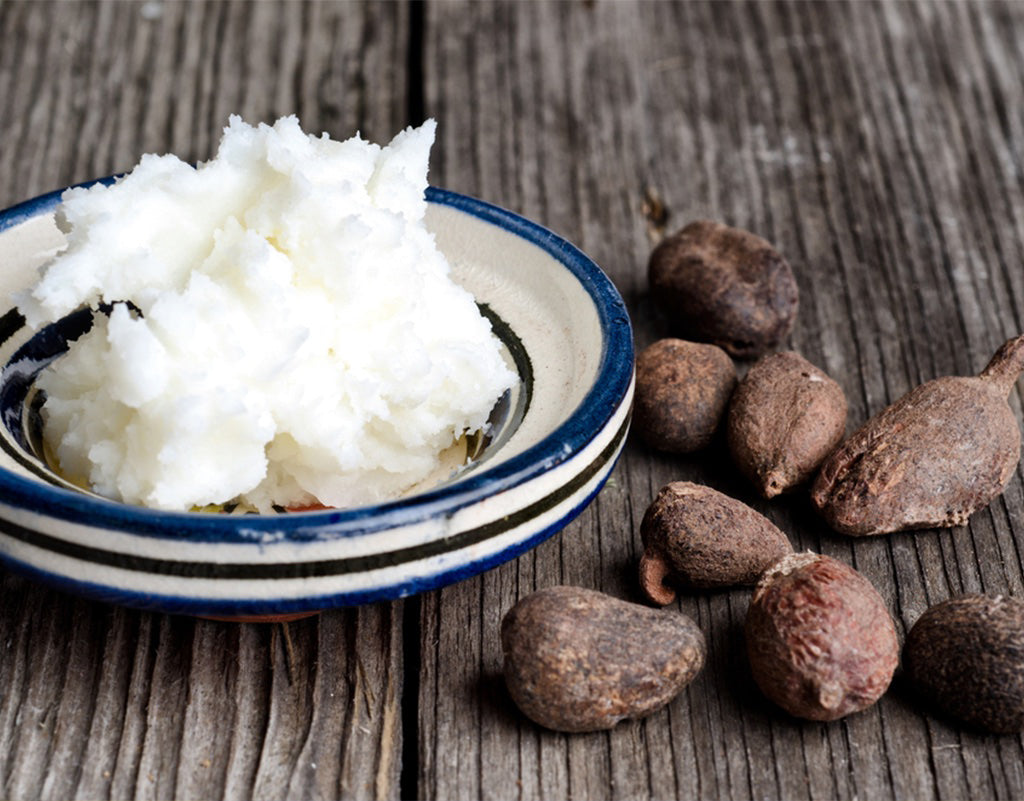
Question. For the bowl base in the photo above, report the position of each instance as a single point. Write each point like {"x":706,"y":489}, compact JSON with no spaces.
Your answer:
{"x":287,"y":617}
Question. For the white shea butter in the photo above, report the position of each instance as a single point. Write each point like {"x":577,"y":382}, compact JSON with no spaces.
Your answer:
{"x":293,"y":336}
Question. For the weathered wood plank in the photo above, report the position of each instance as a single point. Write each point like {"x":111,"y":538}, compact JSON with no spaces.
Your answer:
{"x":98,"y":702}
{"x":879,"y":147}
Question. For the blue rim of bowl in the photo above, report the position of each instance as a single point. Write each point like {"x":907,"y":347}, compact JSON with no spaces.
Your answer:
{"x":614,"y":375}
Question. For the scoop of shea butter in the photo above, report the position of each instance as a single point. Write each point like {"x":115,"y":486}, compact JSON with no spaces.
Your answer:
{"x":283,"y":329}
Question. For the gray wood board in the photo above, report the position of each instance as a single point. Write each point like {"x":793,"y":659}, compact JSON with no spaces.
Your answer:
{"x":880,"y":146}
{"x":100,"y":702}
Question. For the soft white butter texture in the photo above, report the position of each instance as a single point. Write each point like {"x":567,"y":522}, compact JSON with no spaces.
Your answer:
{"x":296,"y":337}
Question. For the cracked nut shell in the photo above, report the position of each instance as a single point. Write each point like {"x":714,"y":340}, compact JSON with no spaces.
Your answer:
{"x":784,"y":418}
{"x":579,"y":660}
{"x":695,"y":536}
{"x":682,"y":391}
{"x":820,"y":639}
{"x":724,"y":285}
{"x":965,"y":656}
{"x":931,"y":459}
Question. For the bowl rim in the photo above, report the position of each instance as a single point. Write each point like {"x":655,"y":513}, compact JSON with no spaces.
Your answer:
{"x":611,"y":384}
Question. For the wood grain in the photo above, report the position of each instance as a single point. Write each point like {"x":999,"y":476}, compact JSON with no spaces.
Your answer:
{"x":99,"y":702}
{"x":880,"y":146}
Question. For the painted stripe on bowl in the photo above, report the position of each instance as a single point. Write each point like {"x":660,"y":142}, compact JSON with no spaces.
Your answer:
{"x":238,"y":589}
{"x":466,"y":529}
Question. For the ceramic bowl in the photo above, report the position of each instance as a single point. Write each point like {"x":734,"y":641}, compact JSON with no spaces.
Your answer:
{"x":556,"y":437}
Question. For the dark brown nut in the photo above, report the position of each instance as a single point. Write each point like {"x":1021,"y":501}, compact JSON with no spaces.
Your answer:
{"x":724,"y":285}
{"x":580,"y":660}
{"x":821,"y":642}
{"x":682,"y":391}
{"x":695,"y":536}
{"x":785,"y":417}
{"x":966,"y":656}
{"x":938,"y":454}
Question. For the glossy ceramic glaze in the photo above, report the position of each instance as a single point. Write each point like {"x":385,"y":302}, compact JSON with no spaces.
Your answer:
{"x":556,"y":438}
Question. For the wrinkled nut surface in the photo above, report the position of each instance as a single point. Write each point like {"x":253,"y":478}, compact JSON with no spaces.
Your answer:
{"x":820,"y":640}
{"x":931,"y":459}
{"x":966,"y":657}
{"x":579,"y":660}
{"x":724,"y":285}
{"x":695,"y":536}
{"x":682,"y":391}
{"x":784,"y":418}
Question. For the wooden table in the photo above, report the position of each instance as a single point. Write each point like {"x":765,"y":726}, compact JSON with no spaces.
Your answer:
{"x":880,"y":146}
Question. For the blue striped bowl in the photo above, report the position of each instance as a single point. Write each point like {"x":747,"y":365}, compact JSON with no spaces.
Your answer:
{"x":558,"y":434}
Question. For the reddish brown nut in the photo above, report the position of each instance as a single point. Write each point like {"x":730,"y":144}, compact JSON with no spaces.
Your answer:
{"x":580,"y":660}
{"x":724,"y":285}
{"x":938,"y":454}
{"x":821,"y":642}
{"x":784,"y":418}
{"x":966,"y":656}
{"x":695,"y":536}
{"x":682,"y":390}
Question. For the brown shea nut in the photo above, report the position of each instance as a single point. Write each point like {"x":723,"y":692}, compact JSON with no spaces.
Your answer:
{"x":682,"y":390}
{"x":724,"y":285}
{"x":966,"y":656}
{"x":784,"y":418}
{"x":695,"y":536}
{"x":820,"y":640}
{"x":580,"y":660}
{"x":938,"y":454}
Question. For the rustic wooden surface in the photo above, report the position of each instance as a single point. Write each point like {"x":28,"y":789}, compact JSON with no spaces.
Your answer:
{"x":880,"y":146}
